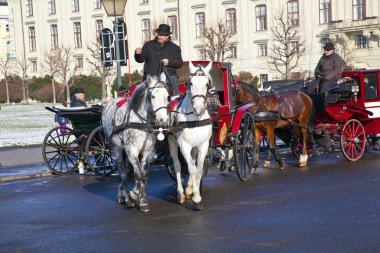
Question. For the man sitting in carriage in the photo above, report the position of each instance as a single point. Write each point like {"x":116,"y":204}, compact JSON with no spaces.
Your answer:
{"x":327,"y":71}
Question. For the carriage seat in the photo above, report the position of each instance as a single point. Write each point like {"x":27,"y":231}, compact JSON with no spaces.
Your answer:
{"x":341,"y":90}
{"x":290,"y":104}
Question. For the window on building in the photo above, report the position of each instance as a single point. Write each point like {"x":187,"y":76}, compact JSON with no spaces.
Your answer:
{"x":370,"y":86}
{"x":144,"y":1}
{"x":77,"y":35}
{"x":358,"y":7}
{"x":51,"y":7}
{"x":79,"y":62}
{"x":54,"y":36}
{"x":34,"y":65}
{"x":294,"y":46}
{"x":360,"y":41}
{"x":324,"y":41}
{"x":75,"y":5}
{"x":324,"y":11}
{"x":232,"y":53}
{"x":32,"y":39}
{"x":172,"y":22}
{"x":263,"y":49}
{"x":261,"y":17}
{"x":231,"y":20}
{"x":145,"y":30}
{"x":199,"y":24}
{"x":202,"y":55}
{"x":263,"y":78}
{"x":7,"y":29}
{"x":97,"y":4}
{"x":98,"y":27}
{"x":293,"y":12}
{"x":29,"y":8}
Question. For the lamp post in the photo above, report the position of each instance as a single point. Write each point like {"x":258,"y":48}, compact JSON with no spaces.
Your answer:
{"x":115,"y":8}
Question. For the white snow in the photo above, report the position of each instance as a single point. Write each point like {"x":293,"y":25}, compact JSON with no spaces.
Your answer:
{"x":23,"y":125}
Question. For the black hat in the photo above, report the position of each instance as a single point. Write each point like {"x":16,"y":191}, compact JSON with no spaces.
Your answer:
{"x":79,"y":90}
{"x":163,"y":29}
{"x":329,"y":46}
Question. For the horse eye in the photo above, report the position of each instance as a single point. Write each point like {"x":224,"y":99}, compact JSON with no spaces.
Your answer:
{"x":153,"y":96}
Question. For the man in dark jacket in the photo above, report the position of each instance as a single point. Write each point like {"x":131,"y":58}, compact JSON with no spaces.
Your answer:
{"x":161,"y":50}
{"x":78,"y":98}
{"x":328,"y":70}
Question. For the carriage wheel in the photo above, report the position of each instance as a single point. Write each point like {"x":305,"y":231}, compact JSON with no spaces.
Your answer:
{"x":98,"y":153}
{"x":297,"y":146}
{"x":353,"y":140}
{"x":245,"y":148}
{"x":61,"y":150}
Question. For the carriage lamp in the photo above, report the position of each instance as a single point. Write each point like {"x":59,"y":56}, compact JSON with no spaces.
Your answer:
{"x":355,"y":89}
{"x":115,"y":8}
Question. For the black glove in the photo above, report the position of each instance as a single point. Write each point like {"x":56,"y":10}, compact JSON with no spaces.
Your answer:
{"x":317,"y":74}
{"x":323,"y":79}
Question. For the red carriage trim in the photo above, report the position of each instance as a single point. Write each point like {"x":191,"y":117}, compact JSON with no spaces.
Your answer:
{"x":239,"y":115}
{"x":121,"y":102}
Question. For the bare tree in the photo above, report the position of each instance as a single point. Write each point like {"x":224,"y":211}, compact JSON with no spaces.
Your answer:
{"x":345,"y":49}
{"x":287,"y":49}
{"x":24,"y":66}
{"x":5,"y":70}
{"x":98,"y":69}
{"x":66,"y":68}
{"x":217,"y":41}
{"x":50,"y":66}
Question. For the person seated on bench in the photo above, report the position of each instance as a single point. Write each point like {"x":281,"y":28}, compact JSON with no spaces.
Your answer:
{"x":327,"y":71}
{"x":78,"y":98}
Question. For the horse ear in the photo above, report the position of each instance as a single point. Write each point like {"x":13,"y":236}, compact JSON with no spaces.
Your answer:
{"x":208,"y":67}
{"x":163,"y":77}
{"x":192,"y":68}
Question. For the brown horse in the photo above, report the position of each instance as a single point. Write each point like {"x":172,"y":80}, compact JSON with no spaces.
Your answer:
{"x":277,"y":111}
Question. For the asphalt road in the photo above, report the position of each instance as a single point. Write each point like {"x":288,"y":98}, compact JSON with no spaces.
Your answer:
{"x":331,"y":206}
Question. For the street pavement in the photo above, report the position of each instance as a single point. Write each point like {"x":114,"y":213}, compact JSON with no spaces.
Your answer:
{"x":22,"y":163}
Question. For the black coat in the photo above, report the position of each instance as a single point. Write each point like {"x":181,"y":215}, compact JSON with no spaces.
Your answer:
{"x":330,"y":67}
{"x":153,"y":52}
{"x":76,"y":102}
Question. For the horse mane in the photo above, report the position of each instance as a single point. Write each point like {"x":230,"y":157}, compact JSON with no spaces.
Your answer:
{"x":138,"y":96}
{"x":248,"y":88}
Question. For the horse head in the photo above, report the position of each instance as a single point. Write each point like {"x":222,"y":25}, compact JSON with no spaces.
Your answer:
{"x":198,"y":87}
{"x":246,"y":93}
{"x":158,"y":97}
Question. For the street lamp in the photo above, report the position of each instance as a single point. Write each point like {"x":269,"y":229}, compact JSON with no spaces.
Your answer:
{"x":115,"y":8}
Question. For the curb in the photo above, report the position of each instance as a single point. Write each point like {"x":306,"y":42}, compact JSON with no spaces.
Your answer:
{"x":20,"y":177}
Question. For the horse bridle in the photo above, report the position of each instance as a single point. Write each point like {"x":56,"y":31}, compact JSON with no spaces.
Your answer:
{"x":199,"y":72}
{"x":158,"y":85}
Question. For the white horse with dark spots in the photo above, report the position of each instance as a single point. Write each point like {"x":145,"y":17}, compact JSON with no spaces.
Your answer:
{"x":191,"y":129}
{"x":132,"y":130}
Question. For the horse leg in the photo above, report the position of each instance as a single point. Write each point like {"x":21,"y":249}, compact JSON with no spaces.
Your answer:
{"x":197,"y":199}
{"x":258,"y":137}
{"x":186,"y":152}
{"x":270,"y":137}
{"x":273,"y":149}
{"x":304,"y":156}
{"x":189,"y":186}
{"x":177,"y":167}
{"x":134,"y":193}
{"x":123,"y":172}
{"x":142,"y":178}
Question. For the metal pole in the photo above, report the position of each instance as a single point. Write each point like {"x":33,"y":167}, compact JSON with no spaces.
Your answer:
{"x":118,"y":68}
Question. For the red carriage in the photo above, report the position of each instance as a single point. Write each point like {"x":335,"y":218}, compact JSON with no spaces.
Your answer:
{"x":350,"y":112}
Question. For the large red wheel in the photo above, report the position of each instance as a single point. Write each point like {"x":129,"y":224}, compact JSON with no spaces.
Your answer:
{"x":352,"y":140}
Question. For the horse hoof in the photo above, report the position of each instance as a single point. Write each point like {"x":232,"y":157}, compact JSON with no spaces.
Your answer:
{"x":266,"y":164}
{"x":281,"y":165}
{"x":145,"y":208}
{"x":121,"y":200}
{"x":181,"y":199}
{"x":198,"y":205}
{"x":130,"y":202}
{"x":188,"y":196}
{"x":303,"y":164}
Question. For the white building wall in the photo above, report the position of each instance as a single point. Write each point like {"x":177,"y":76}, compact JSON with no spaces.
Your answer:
{"x":246,"y":39}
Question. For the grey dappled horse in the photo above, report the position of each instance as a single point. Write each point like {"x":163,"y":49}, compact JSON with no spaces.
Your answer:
{"x":132,"y":128}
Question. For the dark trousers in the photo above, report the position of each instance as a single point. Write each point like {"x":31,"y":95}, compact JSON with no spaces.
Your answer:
{"x":173,"y":85}
{"x":323,"y":87}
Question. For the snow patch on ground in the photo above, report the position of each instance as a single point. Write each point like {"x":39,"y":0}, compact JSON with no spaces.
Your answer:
{"x":23,"y":125}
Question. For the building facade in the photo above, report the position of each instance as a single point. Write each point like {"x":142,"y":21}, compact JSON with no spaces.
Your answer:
{"x":354,"y":25}
{"x":7,"y":46}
